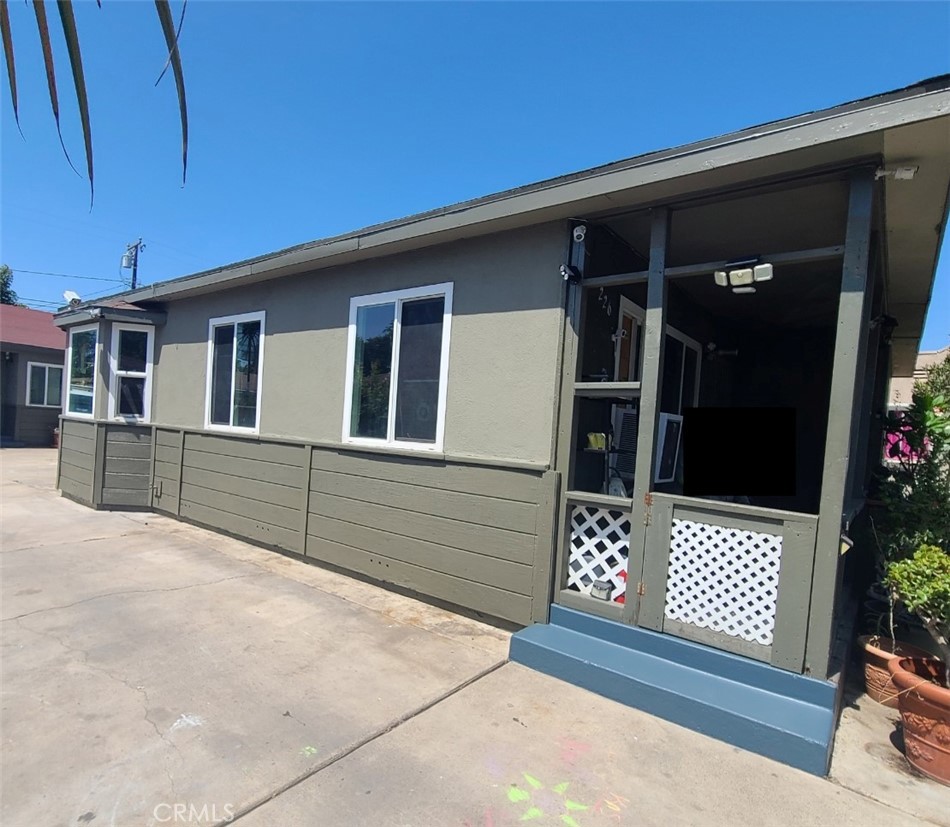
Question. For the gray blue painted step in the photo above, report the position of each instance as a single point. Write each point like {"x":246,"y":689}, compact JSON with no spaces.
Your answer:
{"x":787,"y":717}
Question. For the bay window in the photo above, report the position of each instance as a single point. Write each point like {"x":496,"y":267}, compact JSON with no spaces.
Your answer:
{"x":81,"y":360}
{"x":130,"y":378}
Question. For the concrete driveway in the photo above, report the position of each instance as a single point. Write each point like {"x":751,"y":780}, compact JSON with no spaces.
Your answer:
{"x":156,"y":673}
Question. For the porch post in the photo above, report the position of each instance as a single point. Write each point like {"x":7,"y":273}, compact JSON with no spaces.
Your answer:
{"x":864,"y":413}
{"x":654,"y":327}
{"x":566,"y":422}
{"x":850,"y":343}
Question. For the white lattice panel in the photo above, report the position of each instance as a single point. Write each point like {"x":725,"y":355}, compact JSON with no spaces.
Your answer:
{"x":724,"y":579}
{"x":600,"y":545}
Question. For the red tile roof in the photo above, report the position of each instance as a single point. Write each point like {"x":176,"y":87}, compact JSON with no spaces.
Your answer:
{"x":23,"y":326}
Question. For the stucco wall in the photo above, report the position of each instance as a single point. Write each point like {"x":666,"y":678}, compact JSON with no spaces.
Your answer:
{"x":502,"y":358}
{"x":902,"y":387}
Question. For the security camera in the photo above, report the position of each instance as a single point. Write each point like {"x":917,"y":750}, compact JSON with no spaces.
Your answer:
{"x":570,"y":274}
{"x":579,"y":232}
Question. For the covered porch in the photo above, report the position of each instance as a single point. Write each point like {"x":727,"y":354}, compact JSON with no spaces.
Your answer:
{"x":725,"y":366}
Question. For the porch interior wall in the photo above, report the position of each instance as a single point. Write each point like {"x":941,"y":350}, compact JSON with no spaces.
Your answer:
{"x":790,"y":368}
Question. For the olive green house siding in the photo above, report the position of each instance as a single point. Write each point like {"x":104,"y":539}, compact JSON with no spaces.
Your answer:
{"x":77,"y":459}
{"x":475,"y":535}
{"x":105,"y":464}
{"x":126,"y":475}
{"x":471,"y":525}
{"x":503,"y":352}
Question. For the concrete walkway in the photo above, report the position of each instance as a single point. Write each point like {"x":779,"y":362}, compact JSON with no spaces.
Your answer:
{"x":156,"y":673}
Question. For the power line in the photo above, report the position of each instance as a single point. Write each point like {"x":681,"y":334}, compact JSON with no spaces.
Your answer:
{"x":110,"y":290}
{"x":67,"y":275}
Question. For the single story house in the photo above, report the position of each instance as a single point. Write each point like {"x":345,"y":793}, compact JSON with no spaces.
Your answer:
{"x":31,"y":375}
{"x":632,"y":410}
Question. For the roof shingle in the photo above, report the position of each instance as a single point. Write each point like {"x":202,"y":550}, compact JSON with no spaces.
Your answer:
{"x":34,"y":328}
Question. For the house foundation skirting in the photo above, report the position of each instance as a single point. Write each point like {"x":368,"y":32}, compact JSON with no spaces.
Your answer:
{"x":475,"y":534}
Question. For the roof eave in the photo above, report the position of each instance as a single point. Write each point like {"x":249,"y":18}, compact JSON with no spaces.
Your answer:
{"x":560,"y":197}
{"x":95,"y":313}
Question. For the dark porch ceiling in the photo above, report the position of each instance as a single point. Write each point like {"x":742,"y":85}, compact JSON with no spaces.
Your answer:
{"x":799,"y":296}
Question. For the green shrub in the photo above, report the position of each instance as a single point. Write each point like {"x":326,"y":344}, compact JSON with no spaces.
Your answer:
{"x":922,"y":584}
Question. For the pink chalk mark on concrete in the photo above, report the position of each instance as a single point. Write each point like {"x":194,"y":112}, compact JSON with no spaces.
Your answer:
{"x":572,"y":750}
{"x":489,"y":820}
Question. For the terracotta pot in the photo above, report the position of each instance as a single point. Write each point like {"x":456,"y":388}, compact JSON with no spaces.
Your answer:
{"x":878,"y":652}
{"x":925,"y":712}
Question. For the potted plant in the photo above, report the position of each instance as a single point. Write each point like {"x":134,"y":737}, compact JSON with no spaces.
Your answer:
{"x":912,"y":510}
{"x":879,"y":651}
{"x":922,"y":584}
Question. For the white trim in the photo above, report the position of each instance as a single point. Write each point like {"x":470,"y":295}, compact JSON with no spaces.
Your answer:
{"x":632,"y":309}
{"x":696,"y":346}
{"x":115,"y":374}
{"x":398,"y":298}
{"x":46,"y":366}
{"x":69,"y":370}
{"x":222,"y":321}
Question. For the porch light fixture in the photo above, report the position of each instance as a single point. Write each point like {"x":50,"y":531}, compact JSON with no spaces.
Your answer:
{"x":897,"y":173}
{"x":601,"y":589}
{"x":742,"y":279}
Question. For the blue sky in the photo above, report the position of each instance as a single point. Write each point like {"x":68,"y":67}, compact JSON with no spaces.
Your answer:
{"x":310,"y":119}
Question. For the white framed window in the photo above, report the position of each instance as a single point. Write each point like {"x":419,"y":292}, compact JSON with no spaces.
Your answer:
{"x":82,"y":357}
{"x":397,"y":368}
{"x":682,"y":362}
{"x":235,"y":368}
{"x":44,"y":385}
{"x":130,"y":375}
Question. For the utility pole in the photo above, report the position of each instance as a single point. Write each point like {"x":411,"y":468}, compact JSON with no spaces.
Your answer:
{"x":131,"y":260}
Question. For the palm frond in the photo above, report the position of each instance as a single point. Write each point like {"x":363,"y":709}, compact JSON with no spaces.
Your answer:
{"x":171,"y":40}
{"x":39,"y":9}
{"x":168,"y":62}
{"x":75,"y":61}
{"x":7,"y":37}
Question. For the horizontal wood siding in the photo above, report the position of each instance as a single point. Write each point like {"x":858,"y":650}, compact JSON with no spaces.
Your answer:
{"x":127,"y":472}
{"x":77,"y":459}
{"x":473,"y":535}
{"x":243,"y":486}
{"x":465,"y":534}
{"x":34,"y":426}
{"x":167,"y":465}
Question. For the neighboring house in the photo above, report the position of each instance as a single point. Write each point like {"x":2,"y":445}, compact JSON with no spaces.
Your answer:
{"x":900,"y":396}
{"x":31,"y":364}
{"x":487,"y":404}
{"x":902,"y":387}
